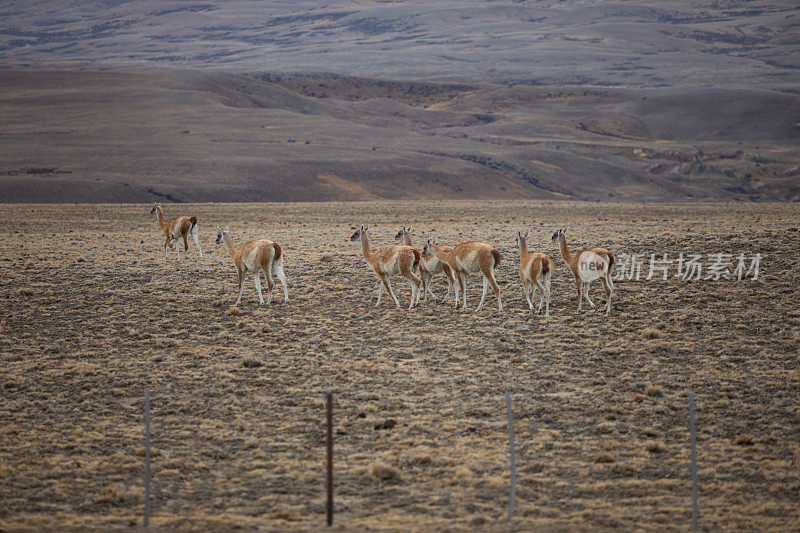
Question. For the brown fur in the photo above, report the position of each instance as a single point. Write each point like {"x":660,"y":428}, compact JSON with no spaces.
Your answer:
{"x":497,"y":257}
{"x":487,"y":257}
{"x":547,"y":266}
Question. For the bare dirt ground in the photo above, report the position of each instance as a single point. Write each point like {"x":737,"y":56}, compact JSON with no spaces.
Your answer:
{"x":91,"y":315}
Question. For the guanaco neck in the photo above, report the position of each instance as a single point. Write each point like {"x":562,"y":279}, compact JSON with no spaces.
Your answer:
{"x":440,"y":254}
{"x":226,"y":238}
{"x":365,"y":247}
{"x":523,"y":248}
{"x":406,"y":238}
{"x":160,"y":217}
{"x":562,"y":245}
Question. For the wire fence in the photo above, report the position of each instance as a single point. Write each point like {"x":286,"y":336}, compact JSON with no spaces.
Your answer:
{"x":329,"y":466}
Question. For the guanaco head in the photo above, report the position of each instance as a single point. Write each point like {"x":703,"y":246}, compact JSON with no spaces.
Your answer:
{"x":156,"y":207}
{"x":558,"y":234}
{"x":427,"y":250}
{"x":359,"y":232}
{"x":401,"y":235}
{"x":221,"y":233}
{"x":521,"y":238}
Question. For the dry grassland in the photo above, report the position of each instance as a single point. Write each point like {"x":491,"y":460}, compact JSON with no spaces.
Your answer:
{"x":91,"y":316}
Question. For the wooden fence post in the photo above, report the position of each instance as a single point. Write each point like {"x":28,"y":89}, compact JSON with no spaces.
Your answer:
{"x":512,"y":454}
{"x":146,"y":457}
{"x":329,"y":455}
{"x":693,"y":440}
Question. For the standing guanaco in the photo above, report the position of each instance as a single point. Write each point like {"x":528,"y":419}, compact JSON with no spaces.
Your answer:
{"x":390,"y":260}
{"x":535,"y":271}
{"x":429,"y":265}
{"x":256,"y":256}
{"x":589,"y":263}
{"x":175,"y":229}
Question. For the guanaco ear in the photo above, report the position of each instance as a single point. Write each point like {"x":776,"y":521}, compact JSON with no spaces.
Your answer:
{"x":227,"y":229}
{"x":526,"y":234}
{"x":409,"y":229}
{"x":367,"y":228}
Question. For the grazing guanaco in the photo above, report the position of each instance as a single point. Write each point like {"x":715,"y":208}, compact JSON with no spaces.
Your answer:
{"x":175,"y":229}
{"x":256,"y":256}
{"x":399,"y":259}
{"x":429,"y":265}
{"x":588,"y":263}
{"x":535,"y":271}
{"x":470,"y":257}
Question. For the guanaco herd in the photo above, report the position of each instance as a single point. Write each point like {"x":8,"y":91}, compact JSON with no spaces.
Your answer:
{"x":418,"y":266}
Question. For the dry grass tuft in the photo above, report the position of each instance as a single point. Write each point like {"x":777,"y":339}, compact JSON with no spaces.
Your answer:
{"x":604,"y":458}
{"x":384,"y":471}
{"x":421,"y":459}
{"x":289,"y":516}
{"x":653,"y":390}
{"x":654,"y":446}
{"x":234,"y":311}
{"x":251,"y":362}
{"x":463,"y":473}
{"x":495,"y":483}
{"x":744,"y":440}
{"x":651,"y":333}
{"x":623,"y":469}
{"x":111,"y":494}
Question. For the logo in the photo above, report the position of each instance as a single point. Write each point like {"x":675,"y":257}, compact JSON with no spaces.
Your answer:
{"x":591,"y":266}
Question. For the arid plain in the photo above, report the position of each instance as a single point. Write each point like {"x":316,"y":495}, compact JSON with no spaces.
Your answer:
{"x":91,"y":315}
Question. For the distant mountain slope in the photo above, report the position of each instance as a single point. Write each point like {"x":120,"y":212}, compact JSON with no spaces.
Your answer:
{"x":103,"y":135}
{"x":636,"y":43}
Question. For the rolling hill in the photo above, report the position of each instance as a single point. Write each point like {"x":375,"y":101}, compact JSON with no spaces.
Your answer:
{"x":119,"y":101}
